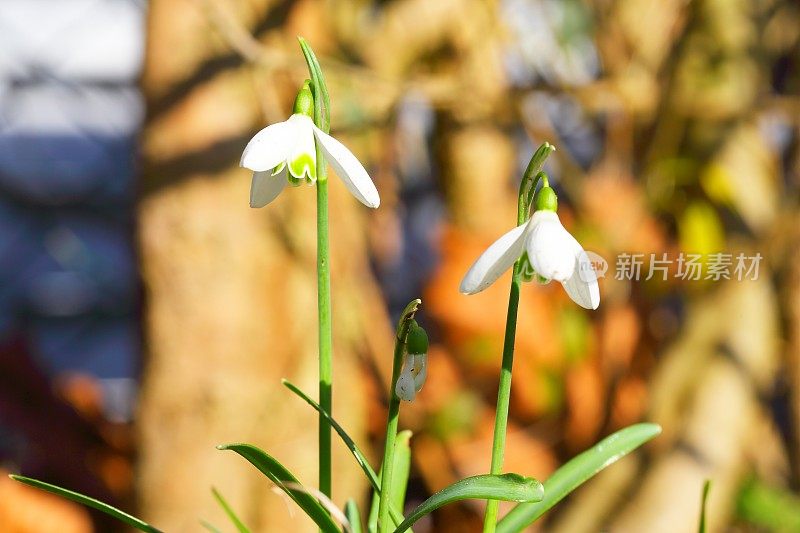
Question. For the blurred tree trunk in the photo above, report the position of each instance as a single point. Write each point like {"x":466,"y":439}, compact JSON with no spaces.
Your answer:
{"x":231,"y":291}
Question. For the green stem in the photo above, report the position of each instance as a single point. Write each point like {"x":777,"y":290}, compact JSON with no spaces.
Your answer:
{"x":322,"y":106}
{"x":394,"y":413}
{"x":527,"y":190}
{"x":325,"y":329}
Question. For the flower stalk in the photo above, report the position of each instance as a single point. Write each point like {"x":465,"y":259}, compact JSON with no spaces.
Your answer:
{"x":526,"y":193}
{"x":322,"y":121}
{"x":403,"y":325}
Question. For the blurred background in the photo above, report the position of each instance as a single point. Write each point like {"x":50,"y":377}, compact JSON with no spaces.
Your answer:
{"x":148,"y":314}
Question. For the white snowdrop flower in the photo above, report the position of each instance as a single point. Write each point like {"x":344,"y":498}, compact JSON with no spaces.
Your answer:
{"x":285,"y":153}
{"x":552,"y":252}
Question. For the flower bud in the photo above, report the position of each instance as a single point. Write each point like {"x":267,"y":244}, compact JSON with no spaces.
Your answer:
{"x":420,"y":371}
{"x":417,"y":339}
{"x":304,"y":102}
{"x":546,"y":200}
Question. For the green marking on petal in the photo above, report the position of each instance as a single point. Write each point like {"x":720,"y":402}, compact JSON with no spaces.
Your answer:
{"x":303,"y":165}
{"x":294,"y":182}
{"x":279,"y":168}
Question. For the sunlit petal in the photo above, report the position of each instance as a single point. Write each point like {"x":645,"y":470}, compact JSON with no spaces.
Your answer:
{"x":269,"y":147}
{"x":551,"y":249}
{"x":349,"y":169}
{"x":582,"y":286}
{"x":495,"y":260}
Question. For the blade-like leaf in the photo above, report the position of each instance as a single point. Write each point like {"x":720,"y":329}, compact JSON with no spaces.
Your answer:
{"x":361,"y":459}
{"x":704,"y":498}
{"x":279,"y":475}
{"x":89,"y":502}
{"x":576,"y":471}
{"x":506,"y":487}
{"x":210,"y":527}
{"x":240,"y":527}
{"x":353,"y":515}
{"x":402,"y":468}
{"x":322,"y":109}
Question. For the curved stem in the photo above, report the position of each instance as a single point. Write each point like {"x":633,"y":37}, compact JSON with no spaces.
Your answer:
{"x":527,"y":190}
{"x":394,"y":413}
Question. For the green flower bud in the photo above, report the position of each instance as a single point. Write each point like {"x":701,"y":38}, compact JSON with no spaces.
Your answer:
{"x":417,"y":339}
{"x":304,"y":102}
{"x":546,"y":200}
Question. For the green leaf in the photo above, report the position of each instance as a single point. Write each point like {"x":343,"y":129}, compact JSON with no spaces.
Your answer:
{"x":88,"y":502}
{"x":209,"y":527}
{"x":353,"y":515}
{"x":577,"y":471}
{"x":768,"y":508}
{"x":397,"y":492}
{"x":240,"y":527}
{"x":361,"y":459}
{"x":279,"y":475}
{"x":506,"y":487}
{"x":322,"y":110}
{"x":706,"y":489}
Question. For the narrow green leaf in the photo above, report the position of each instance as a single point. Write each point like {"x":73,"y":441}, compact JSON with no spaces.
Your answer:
{"x":353,"y":515}
{"x":240,"y":527}
{"x":322,"y":110}
{"x":209,"y":527}
{"x":577,"y":471}
{"x":361,"y":459}
{"x":402,"y":469}
{"x":506,"y":487}
{"x":88,"y":502}
{"x":279,"y":475}
{"x":706,"y":489}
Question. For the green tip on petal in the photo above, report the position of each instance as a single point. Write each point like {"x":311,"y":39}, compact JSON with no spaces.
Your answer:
{"x":546,"y":200}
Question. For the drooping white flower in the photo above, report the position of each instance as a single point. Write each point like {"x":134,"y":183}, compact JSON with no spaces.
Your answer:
{"x":285,"y":153}
{"x":552,"y":252}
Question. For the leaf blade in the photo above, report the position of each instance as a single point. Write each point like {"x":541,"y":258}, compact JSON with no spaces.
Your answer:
{"x":359,"y":456}
{"x":576,"y":471}
{"x":82,"y":499}
{"x":279,"y":475}
{"x":240,"y":527}
{"x":506,"y":487}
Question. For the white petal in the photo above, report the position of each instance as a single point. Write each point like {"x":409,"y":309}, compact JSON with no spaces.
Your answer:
{"x":420,"y":371}
{"x":582,"y":285}
{"x":551,"y":249}
{"x":495,"y":260}
{"x":269,"y":147}
{"x":405,"y":387}
{"x":302,"y":158}
{"x":349,"y":169}
{"x":266,"y":187}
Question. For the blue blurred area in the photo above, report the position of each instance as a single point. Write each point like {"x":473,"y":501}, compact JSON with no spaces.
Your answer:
{"x":70,"y":115}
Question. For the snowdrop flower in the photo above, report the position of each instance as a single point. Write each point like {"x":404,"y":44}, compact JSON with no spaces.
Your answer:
{"x":285,"y":153}
{"x":551,"y":251}
{"x":415,"y":367}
